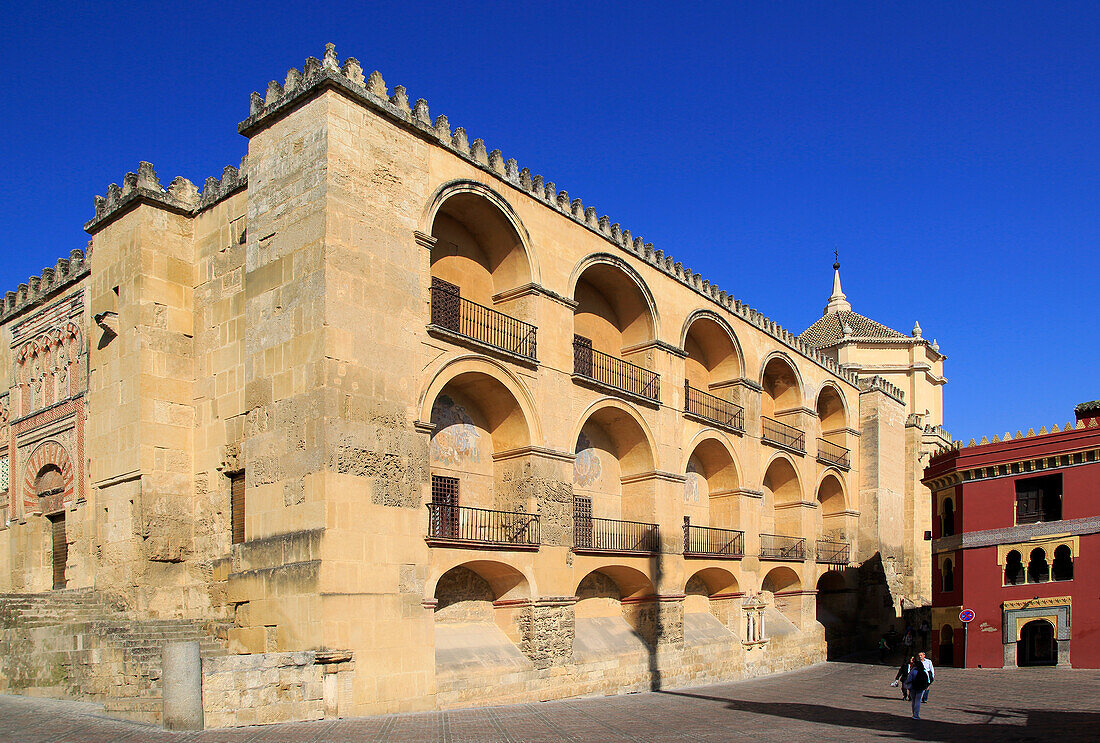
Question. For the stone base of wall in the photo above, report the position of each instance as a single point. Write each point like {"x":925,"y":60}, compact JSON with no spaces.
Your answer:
{"x":663,"y":668}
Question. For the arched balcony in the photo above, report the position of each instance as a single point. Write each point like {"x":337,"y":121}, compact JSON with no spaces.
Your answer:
{"x":833,"y":546}
{"x":477,"y":257}
{"x":781,"y":410}
{"x":711,"y":503}
{"x":781,"y":526}
{"x":613,"y":485}
{"x":711,"y":368}
{"x":832,"y":447}
{"x":476,"y":420}
{"x":614,"y":327}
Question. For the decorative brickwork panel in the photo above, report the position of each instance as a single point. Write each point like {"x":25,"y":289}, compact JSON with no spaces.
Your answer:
{"x":50,"y":368}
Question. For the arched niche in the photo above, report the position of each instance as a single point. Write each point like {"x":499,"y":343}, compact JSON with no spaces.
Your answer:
{"x":612,"y":594}
{"x":713,"y":353}
{"x":832,"y":412}
{"x":832,"y":502}
{"x":786,"y":587}
{"x":481,"y":608}
{"x":781,"y":390}
{"x":782,"y":498}
{"x":614,"y":458}
{"x":712,"y":484}
{"x":475,"y":419}
{"x":615,"y":309}
{"x":480,"y":244}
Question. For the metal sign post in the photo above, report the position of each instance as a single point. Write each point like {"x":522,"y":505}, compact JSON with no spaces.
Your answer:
{"x":966,"y":616}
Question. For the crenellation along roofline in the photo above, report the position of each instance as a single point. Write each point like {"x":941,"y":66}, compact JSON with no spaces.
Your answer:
{"x":347,"y":79}
{"x":319,"y":75}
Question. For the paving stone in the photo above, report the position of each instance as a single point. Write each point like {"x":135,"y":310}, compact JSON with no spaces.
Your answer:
{"x":828,"y":702}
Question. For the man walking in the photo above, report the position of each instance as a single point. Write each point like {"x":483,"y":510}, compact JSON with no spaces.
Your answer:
{"x":930,"y":671}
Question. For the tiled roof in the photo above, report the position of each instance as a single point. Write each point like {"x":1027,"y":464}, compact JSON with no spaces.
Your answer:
{"x":1088,"y":406}
{"x":829,"y":329}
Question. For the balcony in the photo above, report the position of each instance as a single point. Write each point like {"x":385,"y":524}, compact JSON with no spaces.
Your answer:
{"x":612,"y":372}
{"x":454,"y":315}
{"x":460,"y":526}
{"x":705,"y":541}
{"x":783,"y":435}
{"x":608,"y":535}
{"x":713,"y":409}
{"x":830,"y":453}
{"x":833,"y":553}
{"x":779,"y":547}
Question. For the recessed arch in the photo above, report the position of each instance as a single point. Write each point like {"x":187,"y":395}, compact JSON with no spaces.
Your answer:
{"x":781,"y":384}
{"x":471,"y":365}
{"x":615,"y":307}
{"x":507,"y":582}
{"x":712,"y":482}
{"x":630,"y":583}
{"x":51,"y":455}
{"x":716,"y":581}
{"x":782,"y":480}
{"x":713,"y":352}
{"x":466,"y":200}
{"x":781,"y":580}
{"x":832,"y":409}
{"x":641,"y":452}
{"x":832,"y":495}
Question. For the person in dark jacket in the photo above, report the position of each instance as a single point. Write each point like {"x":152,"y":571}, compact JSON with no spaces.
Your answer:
{"x":918,"y":682}
{"x":902,"y":679}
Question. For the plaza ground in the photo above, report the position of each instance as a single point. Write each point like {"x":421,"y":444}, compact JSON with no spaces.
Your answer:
{"x":828,"y":702}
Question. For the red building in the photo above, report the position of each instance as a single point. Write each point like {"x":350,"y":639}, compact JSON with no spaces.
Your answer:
{"x":1016,"y":539}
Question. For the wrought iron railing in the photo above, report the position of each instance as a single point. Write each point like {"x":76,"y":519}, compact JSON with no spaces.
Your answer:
{"x":833,"y":553}
{"x":831,"y":453}
{"x":484,"y":324}
{"x":614,"y":536}
{"x":482,"y":526}
{"x":713,"y":409}
{"x":705,"y":540}
{"x":613,"y":371}
{"x":784,"y":435}
{"x":779,"y":547}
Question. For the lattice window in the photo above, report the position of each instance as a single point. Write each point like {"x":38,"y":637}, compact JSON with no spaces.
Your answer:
{"x":445,"y":500}
{"x":236,"y":506}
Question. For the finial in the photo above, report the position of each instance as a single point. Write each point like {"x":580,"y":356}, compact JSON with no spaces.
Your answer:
{"x":916,"y":330}
{"x":837,"y":301}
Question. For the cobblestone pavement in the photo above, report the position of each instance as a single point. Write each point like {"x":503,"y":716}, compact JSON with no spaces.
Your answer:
{"x":828,"y":702}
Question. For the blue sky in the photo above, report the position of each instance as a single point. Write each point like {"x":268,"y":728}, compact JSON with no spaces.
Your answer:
{"x":949,"y":153}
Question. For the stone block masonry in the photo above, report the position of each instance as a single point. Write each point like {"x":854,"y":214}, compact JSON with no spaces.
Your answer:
{"x":388,"y":423}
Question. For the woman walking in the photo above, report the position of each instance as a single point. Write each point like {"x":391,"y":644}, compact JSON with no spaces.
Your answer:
{"x":918,"y":682}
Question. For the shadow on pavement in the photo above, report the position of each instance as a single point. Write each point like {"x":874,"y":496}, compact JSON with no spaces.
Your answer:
{"x":1029,"y":725}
